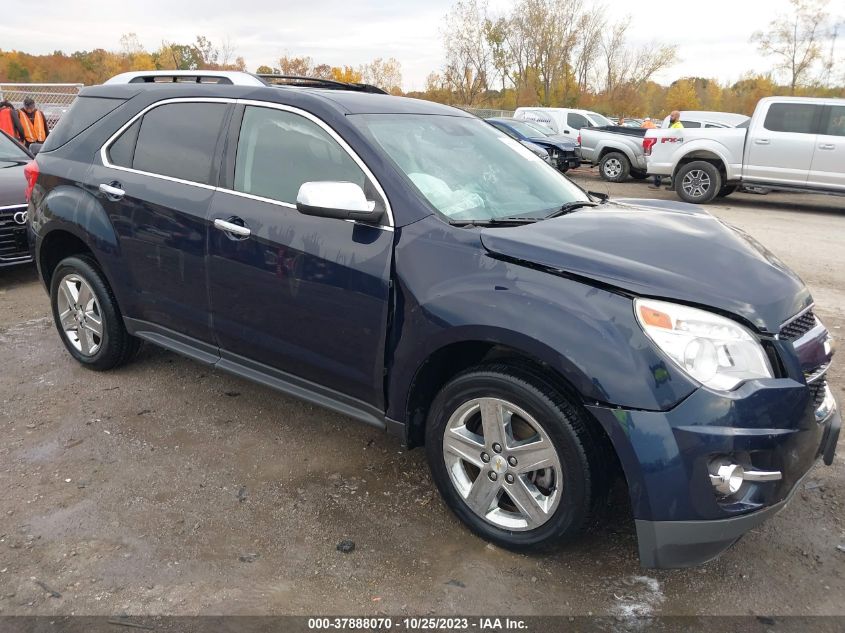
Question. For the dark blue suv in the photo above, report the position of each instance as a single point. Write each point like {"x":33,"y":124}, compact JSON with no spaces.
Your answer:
{"x":410,"y":266}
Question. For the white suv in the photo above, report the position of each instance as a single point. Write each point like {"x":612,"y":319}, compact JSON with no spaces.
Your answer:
{"x":563,"y":120}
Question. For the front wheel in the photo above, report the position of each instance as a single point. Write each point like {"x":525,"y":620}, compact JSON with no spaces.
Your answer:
{"x":87,"y":316}
{"x":698,"y":182}
{"x":614,"y":167}
{"x":513,"y":459}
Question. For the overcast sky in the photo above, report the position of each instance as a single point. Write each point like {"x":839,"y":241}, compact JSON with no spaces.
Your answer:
{"x":713,"y":35}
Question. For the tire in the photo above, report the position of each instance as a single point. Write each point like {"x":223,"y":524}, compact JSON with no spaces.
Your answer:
{"x":726,"y":190}
{"x":697,"y":182}
{"x":98,"y":347}
{"x":638,"y":175}
{"x":561,"y":513}
{"x":614,"y":167}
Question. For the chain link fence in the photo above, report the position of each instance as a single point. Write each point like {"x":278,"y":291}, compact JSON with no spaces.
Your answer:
{"x":52,"y":99}
{"x":487,"y":113}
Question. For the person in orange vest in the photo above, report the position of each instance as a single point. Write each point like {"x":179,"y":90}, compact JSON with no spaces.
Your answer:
{"x":9,"y":121}
{"x":33,"y":123}
{"x":648,"y":124}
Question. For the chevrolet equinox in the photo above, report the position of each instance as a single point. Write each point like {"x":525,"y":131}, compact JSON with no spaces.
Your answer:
{"x":406,"y":264}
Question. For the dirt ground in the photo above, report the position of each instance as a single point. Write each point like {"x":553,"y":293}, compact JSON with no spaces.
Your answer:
{"x":168,"y":488}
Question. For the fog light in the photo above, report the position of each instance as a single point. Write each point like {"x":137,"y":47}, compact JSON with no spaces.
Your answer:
{"x":727,"y":478}
{"x":827,"y":406}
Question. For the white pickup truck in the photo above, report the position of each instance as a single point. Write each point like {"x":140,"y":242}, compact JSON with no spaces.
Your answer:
{"x":790,"y":143}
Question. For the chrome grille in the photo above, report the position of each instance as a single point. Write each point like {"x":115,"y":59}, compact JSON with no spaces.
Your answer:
{"x":13,"y":241}
{"x":798,"y":327}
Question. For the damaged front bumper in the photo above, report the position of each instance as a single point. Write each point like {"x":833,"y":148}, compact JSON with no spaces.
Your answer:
{"x":680,"y":519}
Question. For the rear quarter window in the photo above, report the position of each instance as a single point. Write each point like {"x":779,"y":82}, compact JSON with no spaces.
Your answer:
{"x":82,"y":114}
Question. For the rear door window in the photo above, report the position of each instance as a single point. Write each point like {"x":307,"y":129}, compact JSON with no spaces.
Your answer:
{"x":691,"y":124}
{"x":178,"y":140}
{"x":796,"y":118}
{"x":835,"y":123}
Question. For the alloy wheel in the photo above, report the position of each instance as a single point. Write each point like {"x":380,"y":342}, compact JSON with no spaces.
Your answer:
{"x":696,"y":183}
{"x":80,"y":315}
{"x":502,"y":463}
{"x":612,"y":167}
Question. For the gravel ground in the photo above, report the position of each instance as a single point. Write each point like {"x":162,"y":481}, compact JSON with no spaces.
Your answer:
{"x":168,"y":488}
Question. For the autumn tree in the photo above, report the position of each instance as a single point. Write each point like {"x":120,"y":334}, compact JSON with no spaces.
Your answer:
{"x":466,"y":50}
{"x":346,"y":74}
{"x":296,"y":66}
{"x":386,"y":74}
{"x":682,"y":96}
{"x":795,"y":40}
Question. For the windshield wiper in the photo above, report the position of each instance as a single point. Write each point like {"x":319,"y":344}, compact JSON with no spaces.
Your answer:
{"x":569,"y":207}
{"x":510,"y":221}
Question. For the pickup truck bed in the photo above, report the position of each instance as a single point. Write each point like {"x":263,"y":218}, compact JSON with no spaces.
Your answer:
{"x":617,"y":150}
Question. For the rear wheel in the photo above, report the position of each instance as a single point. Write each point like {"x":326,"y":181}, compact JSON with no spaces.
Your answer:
{"x":698,"y":182}
{"x":614,"y":167}
{"x":87,"y":316}
{"x":513,"y":459}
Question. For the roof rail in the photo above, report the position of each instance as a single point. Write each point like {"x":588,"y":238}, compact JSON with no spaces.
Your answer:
{"x":316,"y":82}
{"x":230,"y":77}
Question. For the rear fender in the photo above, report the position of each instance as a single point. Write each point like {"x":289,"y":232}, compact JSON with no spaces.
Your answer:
{"x":74,"y":210}
{"x":710,"y":151}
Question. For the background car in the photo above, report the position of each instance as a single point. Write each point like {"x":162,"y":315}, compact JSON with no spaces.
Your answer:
{"x":567,"y":121}
{"x":703,"y":118}
{"x":14,"y":248}
{"x":563,"y":152}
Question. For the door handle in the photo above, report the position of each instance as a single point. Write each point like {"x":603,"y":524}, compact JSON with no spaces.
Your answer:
{"x":761,"y":141}
{"x":228,"y":226}
{"x":827,"y":146}
{"x":113,"y":191}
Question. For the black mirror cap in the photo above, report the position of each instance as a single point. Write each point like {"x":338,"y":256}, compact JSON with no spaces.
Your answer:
{"x":34,"y":148}
{"x":370,"y":217}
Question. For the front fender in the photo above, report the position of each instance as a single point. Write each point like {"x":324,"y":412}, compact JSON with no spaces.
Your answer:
{"x":449,"y":290}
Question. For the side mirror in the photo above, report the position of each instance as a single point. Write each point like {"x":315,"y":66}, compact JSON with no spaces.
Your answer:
{"x":34,"y":148}
{"x":342,"y":200}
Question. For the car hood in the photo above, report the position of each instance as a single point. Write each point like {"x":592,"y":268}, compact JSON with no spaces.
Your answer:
{"x":561,"y":142}
{"x":665,"y":250}
{"x":12,"y":183}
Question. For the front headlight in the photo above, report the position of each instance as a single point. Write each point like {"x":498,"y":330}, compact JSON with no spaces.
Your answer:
{"x":715,"y":351}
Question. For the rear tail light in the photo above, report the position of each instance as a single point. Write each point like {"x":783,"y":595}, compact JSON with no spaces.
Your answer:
{"x":579,"y":139}
{"x":30,"y":172}
{"x":648,"y":143}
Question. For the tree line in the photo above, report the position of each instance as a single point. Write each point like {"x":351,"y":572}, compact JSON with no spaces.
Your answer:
{"x":567,"y":53}
{"x":96,"y":66}
{"x":570,"y":53}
